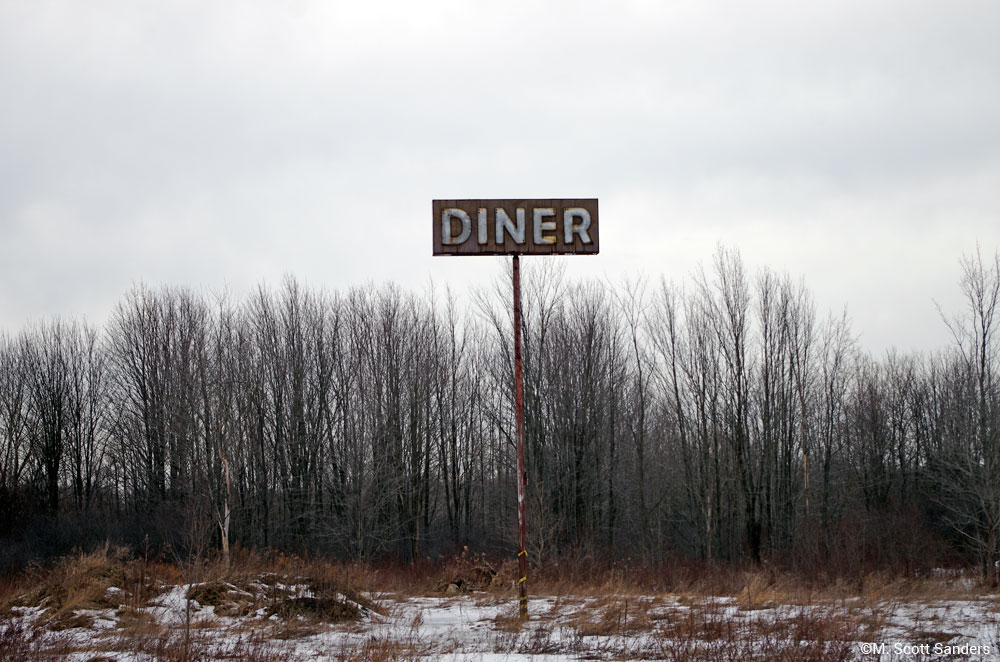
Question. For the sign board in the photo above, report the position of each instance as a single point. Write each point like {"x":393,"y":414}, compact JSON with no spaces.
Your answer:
{"x":515,"y":227}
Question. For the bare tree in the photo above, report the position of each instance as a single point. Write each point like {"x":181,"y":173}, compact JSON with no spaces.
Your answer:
{"x":89,"y":411}
{"x":47,"y":367}
{"x":721,"y":420}
{"x":836,"y":357}
{"x":970,"y":464}
{"x":142,"y":329}
{"x":15,"y":400}
{"x":633,"y":306}
{"x":728,"y":299}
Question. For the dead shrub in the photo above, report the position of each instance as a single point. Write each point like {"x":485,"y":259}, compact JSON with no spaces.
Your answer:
{"x":505,"y":579}
{"x":467,"y":573}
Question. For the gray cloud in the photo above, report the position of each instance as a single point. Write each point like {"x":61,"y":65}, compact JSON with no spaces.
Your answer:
{"x":202,"y":144}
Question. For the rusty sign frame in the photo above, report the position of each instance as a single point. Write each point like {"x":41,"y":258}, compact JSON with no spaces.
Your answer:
{"x":555,"y":226}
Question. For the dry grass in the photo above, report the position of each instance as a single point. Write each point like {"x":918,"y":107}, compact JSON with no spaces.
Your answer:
{"x":16,"y":642}
{"x":762,"y":590}
{"x":19,"y":643}
{"x":614,"y":616}
{"x":753,"y":587}
{"x":710,"y":634}
{"x":380,"y":648}
{"x":305,"y":597}
{"x":72,"y":585}
{"x":509,"y":621}
{"x":611,"y":610}
{"x":198,"y":647}
{"x":84,"y":579}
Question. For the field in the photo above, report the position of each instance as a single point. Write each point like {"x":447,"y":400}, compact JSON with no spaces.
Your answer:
{"x":107,"y":606}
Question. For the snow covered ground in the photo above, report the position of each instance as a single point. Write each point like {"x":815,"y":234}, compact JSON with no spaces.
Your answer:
{"x":484,"y":627}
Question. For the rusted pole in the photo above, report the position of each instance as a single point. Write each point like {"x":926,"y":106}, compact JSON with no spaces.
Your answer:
{"x":522,"y":474}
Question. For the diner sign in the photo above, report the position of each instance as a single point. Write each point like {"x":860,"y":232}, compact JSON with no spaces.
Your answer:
{"x":515,"y":227}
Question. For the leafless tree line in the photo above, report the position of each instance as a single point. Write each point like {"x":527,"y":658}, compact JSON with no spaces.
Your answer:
{"x":722,"y":419}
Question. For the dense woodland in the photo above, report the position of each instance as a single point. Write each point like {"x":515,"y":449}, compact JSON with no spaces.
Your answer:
{"x":724,"y":419}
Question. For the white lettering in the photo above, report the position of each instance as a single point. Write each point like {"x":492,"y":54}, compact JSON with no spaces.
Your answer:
{"x":483,"y":230}
{"x":541,"y":226}
{"x":516,"y":232}
{"x":571,"y":226}
{"x":447,"y":238}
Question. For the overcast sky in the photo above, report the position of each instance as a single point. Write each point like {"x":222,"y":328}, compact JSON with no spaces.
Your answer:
{"x":853,"y":144}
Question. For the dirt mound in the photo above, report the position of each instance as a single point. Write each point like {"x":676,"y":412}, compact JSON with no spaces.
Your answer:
{"x":75,"y":584}
{"x":228,"y":599}
{"x":331,"y":610}
{"x":284,"y":597}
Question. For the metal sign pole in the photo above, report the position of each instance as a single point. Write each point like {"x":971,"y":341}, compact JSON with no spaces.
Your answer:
{"x":522,"y":474}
